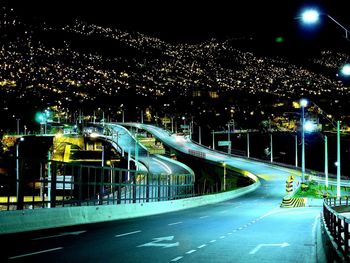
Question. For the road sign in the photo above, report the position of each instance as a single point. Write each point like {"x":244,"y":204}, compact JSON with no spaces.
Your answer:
{"x":224,"y":143}
{"x":165,"y":120}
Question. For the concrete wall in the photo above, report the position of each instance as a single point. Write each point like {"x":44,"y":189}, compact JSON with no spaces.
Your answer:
{"x":27,"y":220}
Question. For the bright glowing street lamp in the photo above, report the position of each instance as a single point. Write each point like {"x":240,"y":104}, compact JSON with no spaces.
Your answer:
{"x":311,"y":16}
{"x":345,"y":71}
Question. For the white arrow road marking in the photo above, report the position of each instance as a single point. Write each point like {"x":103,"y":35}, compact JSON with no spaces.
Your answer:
{"x":256,"y":249}
{"x":62,"y":234}
{"x":156,"y":242}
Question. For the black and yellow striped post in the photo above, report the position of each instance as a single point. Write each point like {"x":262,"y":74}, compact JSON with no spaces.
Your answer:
{"x":289,"y":186}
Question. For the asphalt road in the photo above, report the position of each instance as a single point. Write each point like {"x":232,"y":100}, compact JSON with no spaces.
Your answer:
{"x":248,"y":229}
{"x":251,"y":228}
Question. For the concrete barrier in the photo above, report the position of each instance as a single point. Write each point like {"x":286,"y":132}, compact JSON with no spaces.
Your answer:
{"x":28,"y":220}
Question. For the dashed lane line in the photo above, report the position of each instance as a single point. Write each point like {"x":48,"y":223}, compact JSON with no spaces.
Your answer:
{"x":176,"y":259}
{"x":191,"y":251}
{"x":129,"y":233}
{"x":176,"y":223}
{"x":35,"y":253}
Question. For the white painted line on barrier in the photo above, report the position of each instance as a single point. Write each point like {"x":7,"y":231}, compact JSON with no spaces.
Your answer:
{"x":191,"y":251}
{"x":129,"y":233}
{"x":201,"y":246}
{"x":176,"y":223}
{"x":176,"y":259}
{"x":203,"y":217}
{"x":35,"y":253}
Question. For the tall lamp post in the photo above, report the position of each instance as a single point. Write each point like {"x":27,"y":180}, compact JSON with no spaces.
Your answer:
{"x":303,"y":104}
{"x":224,"y":164}
{"x":337,"y":126}
{"x":17,"y":169}
{"x":311,"y":17}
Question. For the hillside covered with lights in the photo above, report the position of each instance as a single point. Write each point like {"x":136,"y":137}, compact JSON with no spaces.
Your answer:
{"x":85,"y":67}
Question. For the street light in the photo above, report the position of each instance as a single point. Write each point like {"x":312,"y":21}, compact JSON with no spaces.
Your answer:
{"x":307,"y":18}
{"x":338,"y":164}
{"x":311,"y":16}
{"x":17,"y":125}
{"x":224,"y":164}
{"x":345,"y":71}
{"x":17,"y":168}
{"x":303,"y":104}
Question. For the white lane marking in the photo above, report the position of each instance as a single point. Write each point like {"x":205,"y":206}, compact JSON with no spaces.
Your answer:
{"x":176,"y":223}
{"x":212,"y":241}
{"x":203,"y":217}
{"x":224,"y":211}
{"x":166,"y":167}
{"x":235,"y":230}
{"x":35,"y":253}
{"x":229,"y":233}
{"x":176,"y":259}
{"x":240,"y":228}
{"x":60,"y":235}
{"x":201,"y":246}
{"x":191,"y":251}
{"x":129,"y":233}
{"x":222,"y":237}
{"x":257,"y":248}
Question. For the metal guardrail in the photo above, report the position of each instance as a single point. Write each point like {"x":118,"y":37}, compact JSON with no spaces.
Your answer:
{"x":337,"y":224}
{"x":67,"y":184}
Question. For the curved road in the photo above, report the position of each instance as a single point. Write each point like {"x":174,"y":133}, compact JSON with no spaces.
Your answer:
{"x":251,"y":228}
{"x":154,"y":163}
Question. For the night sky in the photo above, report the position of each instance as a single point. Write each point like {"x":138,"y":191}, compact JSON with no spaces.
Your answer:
{"x":184,"y":20}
